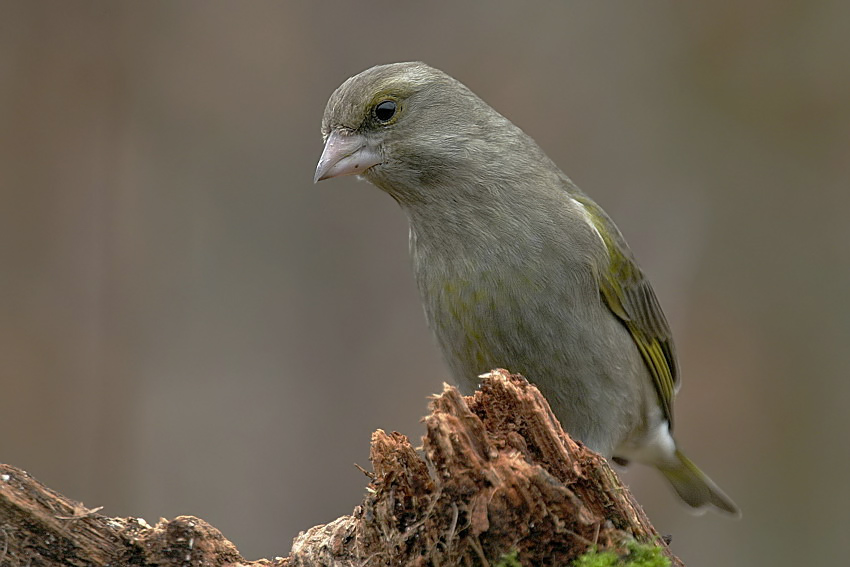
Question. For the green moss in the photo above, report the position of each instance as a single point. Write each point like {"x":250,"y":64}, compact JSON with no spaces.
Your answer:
{"x":637,"y":555}
{"x":509,"y":560}
{"x":594,"y":558}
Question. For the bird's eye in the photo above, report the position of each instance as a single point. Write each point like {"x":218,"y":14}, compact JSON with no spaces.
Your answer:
{"x":384,"y":111}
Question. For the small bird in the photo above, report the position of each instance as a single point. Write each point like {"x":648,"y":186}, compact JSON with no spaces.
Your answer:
{"x":516,"y":266}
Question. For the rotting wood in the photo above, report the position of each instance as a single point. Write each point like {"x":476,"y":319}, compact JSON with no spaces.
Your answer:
{"x":496,"y":474}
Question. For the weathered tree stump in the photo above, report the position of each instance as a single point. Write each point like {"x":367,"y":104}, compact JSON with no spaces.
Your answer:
{"x":497,"y":475}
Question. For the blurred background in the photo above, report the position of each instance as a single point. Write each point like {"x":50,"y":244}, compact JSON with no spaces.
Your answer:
{"x":189,"y":326}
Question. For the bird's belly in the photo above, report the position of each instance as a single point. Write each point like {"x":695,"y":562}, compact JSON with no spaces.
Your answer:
{"x":559,"y":335}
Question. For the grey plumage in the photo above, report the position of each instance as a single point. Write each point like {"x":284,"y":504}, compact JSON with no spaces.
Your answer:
{"x":517,"y":267}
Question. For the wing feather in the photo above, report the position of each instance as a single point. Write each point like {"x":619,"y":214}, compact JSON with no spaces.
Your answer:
{"x":631,"y":298}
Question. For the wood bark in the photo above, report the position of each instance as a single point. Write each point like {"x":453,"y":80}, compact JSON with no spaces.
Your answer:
{"x":496,"y":475}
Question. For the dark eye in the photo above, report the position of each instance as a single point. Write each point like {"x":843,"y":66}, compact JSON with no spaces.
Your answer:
{"x":384,"y":111}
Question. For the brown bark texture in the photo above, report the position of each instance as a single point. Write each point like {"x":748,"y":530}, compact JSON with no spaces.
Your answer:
{"x":496,"y":475}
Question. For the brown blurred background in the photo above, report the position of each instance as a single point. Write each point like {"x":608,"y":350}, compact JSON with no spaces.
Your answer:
{"x":189,"y":326}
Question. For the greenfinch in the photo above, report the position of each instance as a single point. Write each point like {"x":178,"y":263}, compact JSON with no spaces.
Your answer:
{"x":517,"y":268}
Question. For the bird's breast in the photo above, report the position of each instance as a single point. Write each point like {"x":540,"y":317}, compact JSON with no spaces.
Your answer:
{"x":492,"y":306}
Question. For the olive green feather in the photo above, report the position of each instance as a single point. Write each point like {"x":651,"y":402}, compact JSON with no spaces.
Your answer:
{"x":629,"y":295}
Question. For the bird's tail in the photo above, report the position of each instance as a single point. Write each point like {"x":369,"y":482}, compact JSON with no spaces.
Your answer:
{"x":695,"y":488}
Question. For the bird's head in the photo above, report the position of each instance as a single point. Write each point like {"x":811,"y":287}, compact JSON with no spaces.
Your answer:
{"x":411,"y":129}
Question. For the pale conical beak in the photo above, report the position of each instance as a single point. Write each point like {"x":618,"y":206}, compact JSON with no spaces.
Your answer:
{"x":346,"y":154}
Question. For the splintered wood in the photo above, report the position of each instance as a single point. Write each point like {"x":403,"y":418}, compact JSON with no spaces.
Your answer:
{"x":498,"y":475}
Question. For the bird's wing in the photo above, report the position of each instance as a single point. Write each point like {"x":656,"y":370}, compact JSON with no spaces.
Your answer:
{"x":630,"y":296}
